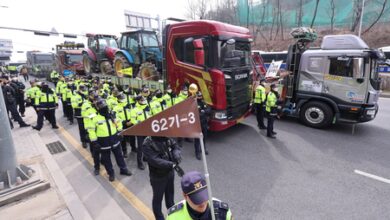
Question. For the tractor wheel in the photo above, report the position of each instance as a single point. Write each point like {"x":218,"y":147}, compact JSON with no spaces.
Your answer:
{"x":106,"y":67}
{"x":88,"y":64}
{"x":120,"y":63}
{"x":148,"y":71}
{"x":316,"y":114}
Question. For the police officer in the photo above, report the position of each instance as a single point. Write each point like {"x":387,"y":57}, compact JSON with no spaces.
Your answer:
{"x":67,"y":100}
{"x":195,"y":204}
{"x":204,"y":114}
{"x":259,"y":104}
{"x":145,"y":92}
{"x":60,"y":90}
{"x":32,"y":93}
{"x":183,"y":95}
{"x":104,"y":135}
{"x":169,"y":97}
{"x":139,"y":114}
{"x":46,"y":104}
{"x":77,"y":101}
{"x":19,"y":94}
{"x":130,"y":95}
{"x":54,"y":76}
{"x":123,"y":111}
{"x":10,"y":103}
{"x":157,"y":103}
{"x":88,"y":112}
{"x":272,"y":109}
{"x":163,"y":155}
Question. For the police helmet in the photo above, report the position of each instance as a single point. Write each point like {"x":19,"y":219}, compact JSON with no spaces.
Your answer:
{"x":115,"y":93}
{"x":101,"y":103}
{"x":83,"y":88}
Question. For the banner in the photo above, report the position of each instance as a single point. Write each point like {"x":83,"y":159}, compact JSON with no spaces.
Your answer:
{"x":180,"y":120}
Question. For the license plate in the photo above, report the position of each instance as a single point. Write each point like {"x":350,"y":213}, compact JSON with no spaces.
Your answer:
{"x":371,"y":112}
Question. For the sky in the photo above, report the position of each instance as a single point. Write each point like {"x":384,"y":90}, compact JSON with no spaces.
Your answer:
{"x":74,"y":16}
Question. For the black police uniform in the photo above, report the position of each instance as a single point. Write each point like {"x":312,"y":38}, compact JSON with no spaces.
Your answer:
{"x":19,"y":95}
{"x":46,"y":107}
{"x":162,"y":154}
{"x":10,"y":104}
{"x":204,"y":114}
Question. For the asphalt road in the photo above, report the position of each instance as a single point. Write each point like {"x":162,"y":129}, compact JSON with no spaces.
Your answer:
{"x":303,"y":174}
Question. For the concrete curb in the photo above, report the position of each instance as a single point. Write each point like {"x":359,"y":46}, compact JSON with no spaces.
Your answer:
{"x":385,"y":95}
{"x":73,"y":202}
{"x":23,"y":193}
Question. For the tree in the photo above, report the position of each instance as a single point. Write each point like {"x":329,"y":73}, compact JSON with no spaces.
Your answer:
{"x":300,"y":13}
{"x":315,"y":13}
{"x":377,"y":18}
{"x":332,"y":12}
{"x":191,"y":10}
{"x":201,"y":9}
{"x":196,"y":9}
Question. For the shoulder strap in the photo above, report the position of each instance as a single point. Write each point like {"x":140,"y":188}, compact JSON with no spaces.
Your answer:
{"x":220,"y":209}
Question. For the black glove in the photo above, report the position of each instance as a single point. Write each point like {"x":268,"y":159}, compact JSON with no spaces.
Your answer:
{"x":179,"y":170}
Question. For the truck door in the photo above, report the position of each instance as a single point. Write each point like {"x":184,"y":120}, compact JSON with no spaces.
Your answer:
{"x":345,"y":80}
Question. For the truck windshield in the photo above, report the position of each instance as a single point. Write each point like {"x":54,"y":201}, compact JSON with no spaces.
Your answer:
{"x":107,"y":42}
{"x":149,"y":40}
{"x":44,"y":59}
{"x":73,"y":58}
{"x":232,"y":54}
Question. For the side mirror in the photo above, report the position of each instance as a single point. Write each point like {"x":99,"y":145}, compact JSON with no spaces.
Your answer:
{"x":198,"y":52}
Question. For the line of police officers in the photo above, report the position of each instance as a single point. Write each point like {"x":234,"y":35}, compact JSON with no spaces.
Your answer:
{"x":266,"y":104}
{"x":102,"y":111}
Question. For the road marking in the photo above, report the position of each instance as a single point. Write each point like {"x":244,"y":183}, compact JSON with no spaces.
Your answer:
{"x":118,"y":186}
{"x":372,"y":176}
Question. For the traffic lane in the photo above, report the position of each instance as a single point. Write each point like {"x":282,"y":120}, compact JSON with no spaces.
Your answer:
{"x":324,"y":160}
{"x":246,"y":170}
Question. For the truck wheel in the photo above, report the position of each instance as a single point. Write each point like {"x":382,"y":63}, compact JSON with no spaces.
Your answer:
{"x":120,"y":63}
{"x":105,"y":67}
{"x":88,"y":64}
{"x":316,"y":114}
{"x":148,"y":71}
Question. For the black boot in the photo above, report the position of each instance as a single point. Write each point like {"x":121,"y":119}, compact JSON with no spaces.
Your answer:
{"x":198,"y":156}
{"x":126,"y":172}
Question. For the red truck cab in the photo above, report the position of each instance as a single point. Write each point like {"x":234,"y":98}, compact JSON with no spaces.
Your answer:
{"x":216,"y":57}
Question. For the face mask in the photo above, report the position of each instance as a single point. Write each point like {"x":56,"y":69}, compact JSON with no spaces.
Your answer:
{"x":142,"y":103}
{"x":275,"y":89}
{"x":185,"y":93}
{"x":169,"y":91}
{"x":159,"y":95}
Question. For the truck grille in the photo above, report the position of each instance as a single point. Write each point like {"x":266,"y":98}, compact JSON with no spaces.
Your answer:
{"x":237,"y":93}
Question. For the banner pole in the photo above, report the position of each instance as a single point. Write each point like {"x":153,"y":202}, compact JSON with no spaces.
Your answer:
{"x":207,"y":175}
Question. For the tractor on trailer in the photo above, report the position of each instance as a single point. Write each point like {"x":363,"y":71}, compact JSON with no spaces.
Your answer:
{"x":337,"y":82}
{"x":140,"y":55}
{"x":215,"y":56}
{"x":100,"y":54}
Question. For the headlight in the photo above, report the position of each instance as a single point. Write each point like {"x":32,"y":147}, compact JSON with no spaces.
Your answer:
{"x":220,"y":115}
{"x":227,"y":76}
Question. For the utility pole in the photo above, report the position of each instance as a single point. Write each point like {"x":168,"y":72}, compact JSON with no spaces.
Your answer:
{"x":247,"y":17}
{"x":361,"y":18}
{"x":7,"y":150}
{"x":14,"y":177}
